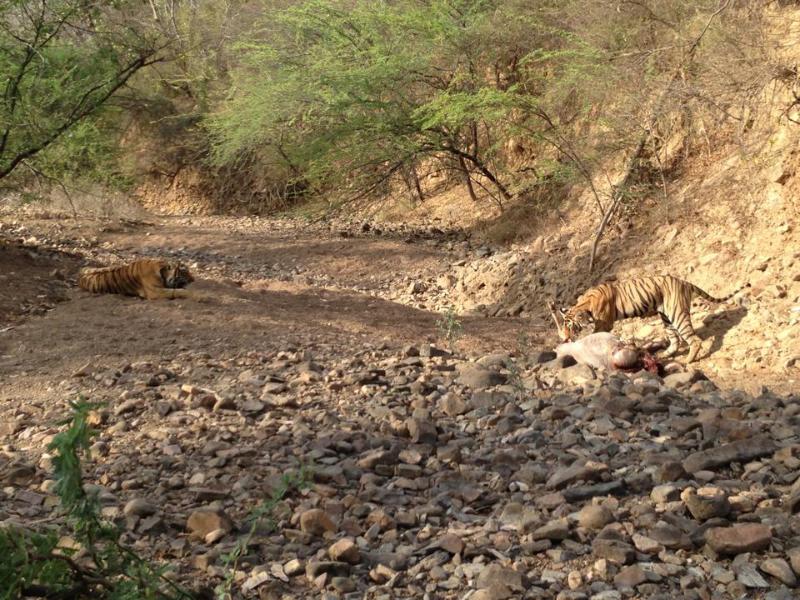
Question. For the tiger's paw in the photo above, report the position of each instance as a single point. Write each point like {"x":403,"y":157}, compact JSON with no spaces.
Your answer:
{"x":670,"y":352}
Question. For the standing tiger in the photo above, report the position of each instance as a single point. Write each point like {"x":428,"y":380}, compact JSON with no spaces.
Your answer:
{"x":147,"y":278}
{"x":666,"y":296}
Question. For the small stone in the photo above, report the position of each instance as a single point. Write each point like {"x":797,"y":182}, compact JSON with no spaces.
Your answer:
{"x":316,"y":522}
{"x":615,"y":551}
{"x":670,"y":536}
{"x":422,"y":432}
{"x":496,"y":576}
{"x":580,"y":470}
{"x":344,"y":585}
{"x":336,"y":569}
{"x":740,"y":538}
{"x":139,"y":507}
{"x":670,"y":471}
{"x":706,"y":503}
{"x":748,"y":576}
{"x":345,"y":550}
{"x":381,"y":574}
{"x":662,"y":494}
{"x":683,"y":379}
{"x":574,"y":580}
{"x":451,"y":542}
{"x":453,"y":405}
{"x":214,"y":536}
{"x":293,"y":567}
{"x":128,"y":406}
{"x":554,"y":530}
{"x":794,"y":558}
{"x":630,"y":577}
{"x":594,"y":516}
{"x":780,"y":569}
{"x":373,"y":458}
{"x":202,"y":522}
{"x":645,"y":544}
{"x":255,"y":579}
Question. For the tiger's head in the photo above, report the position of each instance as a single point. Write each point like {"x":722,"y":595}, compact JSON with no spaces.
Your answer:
{"x":176,"y":275}
{"x":573,"y":323}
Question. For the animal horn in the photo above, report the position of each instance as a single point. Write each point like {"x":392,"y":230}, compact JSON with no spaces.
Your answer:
{"x":559,"y":325}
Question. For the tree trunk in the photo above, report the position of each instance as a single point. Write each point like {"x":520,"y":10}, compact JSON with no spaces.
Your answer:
{"x":467,"y":179}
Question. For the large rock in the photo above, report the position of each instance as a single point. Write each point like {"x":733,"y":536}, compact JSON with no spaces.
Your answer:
{"x":478,"y":377}
{"x":584,"y":470}
{"x":740,"y":451}
{"x":743,"y":537}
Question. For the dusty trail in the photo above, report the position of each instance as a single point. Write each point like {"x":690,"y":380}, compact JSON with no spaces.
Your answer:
{"x":257,"y":290}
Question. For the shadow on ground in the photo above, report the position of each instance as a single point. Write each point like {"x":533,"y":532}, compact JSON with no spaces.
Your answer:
{"x":112,"y":330}
{"x":718,"y":325}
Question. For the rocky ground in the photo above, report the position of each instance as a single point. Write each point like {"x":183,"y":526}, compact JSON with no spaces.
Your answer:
{"x":486,"y":470}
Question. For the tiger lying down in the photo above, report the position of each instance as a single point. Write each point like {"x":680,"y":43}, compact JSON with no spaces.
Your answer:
{"x":666,"y":296}
{"x":147,"y":278}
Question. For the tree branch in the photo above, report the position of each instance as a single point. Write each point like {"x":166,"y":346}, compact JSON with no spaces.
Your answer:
{"x":80,"y":111}
{"x":633,"y":161}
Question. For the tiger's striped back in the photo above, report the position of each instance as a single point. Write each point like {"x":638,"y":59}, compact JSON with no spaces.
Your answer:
{"x":135,"y":278}
{"x":120,"y":279}
{"x":642,"y":297}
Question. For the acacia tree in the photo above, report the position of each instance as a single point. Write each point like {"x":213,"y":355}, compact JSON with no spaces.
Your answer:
{"x":60,"y":63}
{"x":362,"y":91}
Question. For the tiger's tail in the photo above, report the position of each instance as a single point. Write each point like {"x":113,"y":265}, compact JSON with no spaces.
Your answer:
{"x":705,"y":295}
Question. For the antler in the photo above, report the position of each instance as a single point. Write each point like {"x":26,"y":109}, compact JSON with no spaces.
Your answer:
{"x":554,"y":313}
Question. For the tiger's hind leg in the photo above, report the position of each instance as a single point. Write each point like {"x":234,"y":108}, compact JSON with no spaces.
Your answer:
{"x":683,"y":323}
{"x":672,"y":335}
{"x":151,"y":293}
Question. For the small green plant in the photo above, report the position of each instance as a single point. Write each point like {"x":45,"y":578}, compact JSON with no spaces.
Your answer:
{"x":94,"y":564}
{"x":299,"y":480}
{"x":515,"y":377}
{"x":450,"y":327}
{"x":525,"y":345}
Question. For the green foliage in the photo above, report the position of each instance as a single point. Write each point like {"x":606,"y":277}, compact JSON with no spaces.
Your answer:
{"x":449,"y":326}
{"x":354,"y":91}
{"x":60,"y":63}
{"x":22,"y":565}
{"x":277,"y":99}
{"x":94,"y":564}
{"x":89,"y":153}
